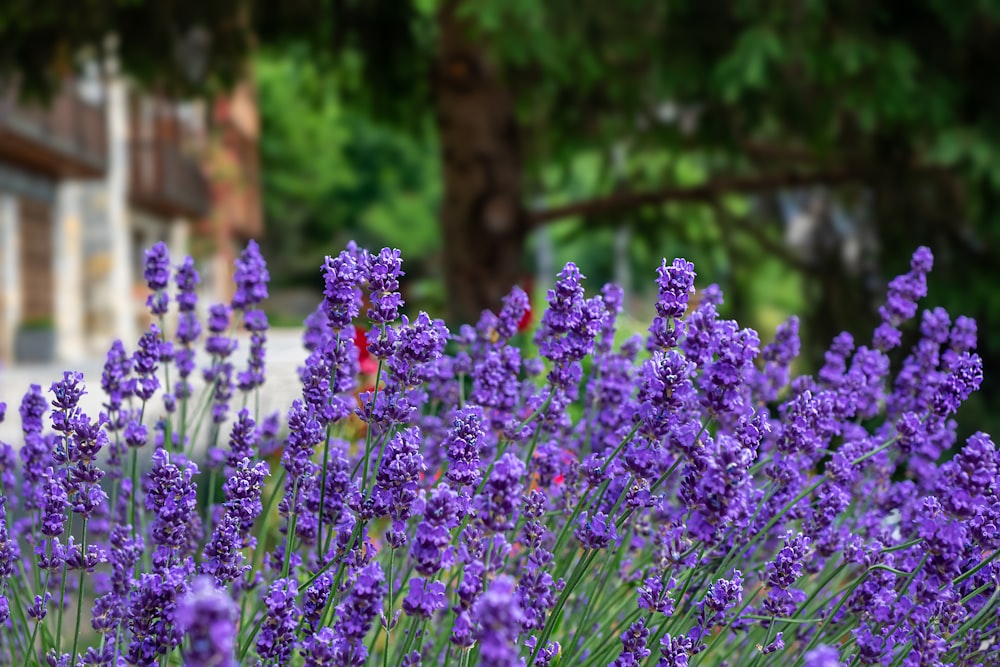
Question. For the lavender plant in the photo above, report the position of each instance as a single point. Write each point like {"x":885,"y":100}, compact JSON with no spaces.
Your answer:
{"x":678,"y":500}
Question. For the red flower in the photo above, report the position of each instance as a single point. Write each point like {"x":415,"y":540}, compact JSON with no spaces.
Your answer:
{"x":367,"y":363}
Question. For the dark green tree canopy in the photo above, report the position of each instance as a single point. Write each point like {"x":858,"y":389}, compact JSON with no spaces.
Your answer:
{"x":892,"y":103}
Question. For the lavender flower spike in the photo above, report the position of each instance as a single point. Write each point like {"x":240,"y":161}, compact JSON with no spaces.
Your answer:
{"x":207,"y":616}
{"x":157,"y":275}
{"x":498,"y":617}
{"x":251,"y":278}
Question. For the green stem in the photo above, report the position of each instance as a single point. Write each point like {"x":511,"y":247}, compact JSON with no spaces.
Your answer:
{"x":290,"y":536}
{"x":388,"y":615}
{"x":210,"y":501}
{"x":326,"y":456}
{"x":368,"y":430}
{"x":16,"y":597}
{"x":322,"y":486}
{"x":79,"y":595}
{"x":260,"y":549}
{"x":582,"y":565}
{"x":135,"y":476}
{"x":965,"y":575}
{"x":206,"y":404}
{"x":62,"y":595}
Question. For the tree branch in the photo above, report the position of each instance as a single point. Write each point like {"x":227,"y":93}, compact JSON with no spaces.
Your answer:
{"x":708,"y":191}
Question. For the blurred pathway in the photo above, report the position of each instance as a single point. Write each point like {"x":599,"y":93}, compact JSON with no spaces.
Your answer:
{"x":284,"y":355}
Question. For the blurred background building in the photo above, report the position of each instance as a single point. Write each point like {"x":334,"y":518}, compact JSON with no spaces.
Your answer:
{"x":93,"y":177}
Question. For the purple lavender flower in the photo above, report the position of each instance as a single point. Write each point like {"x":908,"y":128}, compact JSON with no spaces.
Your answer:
{"x":872,"y":646}
{"x":110,"y":608}
{"x":356,"y":613}
{"x":568,"y":329}
{"x":836,"y":357}
{"x":304,"y":433}
{"x":495,"y":384}
{"x":172,"y":497}
{"x":597,"y":531}
{"x":329,"y":376}
{"x":463,"y":447}
{"x":222,"y":558}
{"x":315,"y":332}
{"x":251,"y":278}
{"x":777,"y":645}
{"x":56,"y":504}
{"x":340,"y":486}
{"x":442,"y":513}
{"x":961,"y":339}
{"x":242,"y":440}
{"x":83,"y":475}
{"x":901,"y":302}
{"x":219,"y":374}
{"x":675,"y":283}
{"x":277,"y":634}
{"x":674,"y":651}
{"x":536,"y":589}
{"x":254,"y":321}
{"x":151,"y":609}
{"x":498,"y":617}
{"x":33,"y":407}
{"x":665,"y":393}
{"x":653,"y":595}
{"x":188,"y":325}
{"x":721,"y":381}
{"x":187,"y":279}
{"x":497,"y":505}
{"x":157,"y":275}
{"x":383,"y":272}
{"x":68,"y":392}
{"x":8,"y":469}
{"x":39,"y":606}
{"x":425,"y":598}
{"x":570,"y":323}
{"x":341,"y":294}
{"x":634,"y":649}
{"x":722,"y":595}
{"x":966,"y":479}
{"x":145,"y":362}
{"x":778,"y":356}
{"x":243,"y":489}
{"x":207,"y":616}
{"x":462,"y":630}
{"x":36,"y":453}
{"x":8,"y":556}
{"x":157,"y":266}
{"x":397,"y":480}
{"x":965,"y":377}
{"x":783,"y":572}
{"x":219,"y":317}
{"x":136,"y":434}
{"x":822,"y":656}
{"x":319,"y":649}
{"x":315,"y":600}
{"x":116,"y":383}
{"x":512,"y":311}
{"x":417,"y":344}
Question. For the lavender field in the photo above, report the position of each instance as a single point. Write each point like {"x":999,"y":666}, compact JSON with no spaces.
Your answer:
{"x":491,"y":496}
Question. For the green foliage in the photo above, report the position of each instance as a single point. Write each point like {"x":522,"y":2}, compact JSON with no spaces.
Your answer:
{"x":897,"y":95}
{"x":332,"y":173}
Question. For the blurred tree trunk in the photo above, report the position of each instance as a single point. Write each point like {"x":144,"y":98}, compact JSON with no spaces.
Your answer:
{"x":484,"y":221}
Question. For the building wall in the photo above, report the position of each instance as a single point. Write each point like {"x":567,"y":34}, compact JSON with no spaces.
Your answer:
{"x":72,"y":238}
